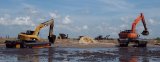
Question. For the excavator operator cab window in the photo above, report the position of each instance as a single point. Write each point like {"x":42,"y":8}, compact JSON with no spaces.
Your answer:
{"x":29,"y":32}
{"x":128,"y":31}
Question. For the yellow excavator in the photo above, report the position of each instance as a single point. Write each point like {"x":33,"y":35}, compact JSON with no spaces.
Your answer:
{"x":30,"y":39}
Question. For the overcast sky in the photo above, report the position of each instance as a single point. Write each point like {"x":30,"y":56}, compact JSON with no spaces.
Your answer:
{"x":78,"y":17}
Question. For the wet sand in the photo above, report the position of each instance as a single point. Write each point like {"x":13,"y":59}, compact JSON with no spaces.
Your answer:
{"x":76,"y":44}
{"x":72,"y":43}
{"x":98,"y":44}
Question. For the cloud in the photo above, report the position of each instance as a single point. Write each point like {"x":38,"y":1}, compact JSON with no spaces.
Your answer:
{"x":105,"y":28}
{"x":26,"y":21}
{"x":66,"y":20}
{"x":72,"y":28}
{"x":54,"y":15}
{"x":79,"y":28}
{"x":64,"y":23}
{"x":124,"y":26}
{"x":68,"y":28}
{"x":85,"y":27}
{"x":117,"y":4}
{"x":127,"y":19}
{"x":30,"y":9}
{"x":23,"y":21}
{"x":126,"y":22}
{"x":153,"y":22}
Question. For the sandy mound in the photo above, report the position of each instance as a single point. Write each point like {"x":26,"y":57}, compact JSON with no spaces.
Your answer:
{"x":87,"y":40}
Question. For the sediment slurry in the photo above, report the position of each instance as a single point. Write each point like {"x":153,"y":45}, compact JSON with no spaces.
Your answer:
{"x":73,"y":51}
{"x":116,"y":54}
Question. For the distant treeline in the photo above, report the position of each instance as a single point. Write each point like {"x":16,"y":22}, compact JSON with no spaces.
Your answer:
{"x":158,"y":38}
{"x":7,"y":36}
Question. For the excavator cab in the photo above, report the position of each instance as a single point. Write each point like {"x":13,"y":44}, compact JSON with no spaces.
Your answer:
{"x":124,"y":34}
{"x":29,"y":32}
{"x":145,"y":32}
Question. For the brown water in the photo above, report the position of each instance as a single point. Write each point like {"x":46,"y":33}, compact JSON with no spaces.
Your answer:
{"x":116,"y":54}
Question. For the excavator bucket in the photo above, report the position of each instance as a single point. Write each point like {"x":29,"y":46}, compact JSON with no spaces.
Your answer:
{"x":52,"y":38}
{"x":145,"y":32}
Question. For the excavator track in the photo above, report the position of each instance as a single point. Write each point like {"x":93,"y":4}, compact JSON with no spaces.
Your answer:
{"x":142,"y":43}
{"x":136,"y":43}
{"x":26,"y":44}
{"x":123,"y":42}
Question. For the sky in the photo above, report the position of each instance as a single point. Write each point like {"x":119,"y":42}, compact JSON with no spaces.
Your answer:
{"x":78,"y":17}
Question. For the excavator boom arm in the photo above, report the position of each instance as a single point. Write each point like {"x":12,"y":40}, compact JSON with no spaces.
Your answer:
{"x":51,"y":28}
{"x":144,"y":23}
{"x":134,"y":24}
{"x":42,"y":25}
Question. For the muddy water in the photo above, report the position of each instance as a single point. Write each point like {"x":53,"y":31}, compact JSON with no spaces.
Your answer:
{"x":116,"y":54}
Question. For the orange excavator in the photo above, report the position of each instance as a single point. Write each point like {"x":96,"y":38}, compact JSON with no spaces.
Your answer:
{"x":127,"y":36}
